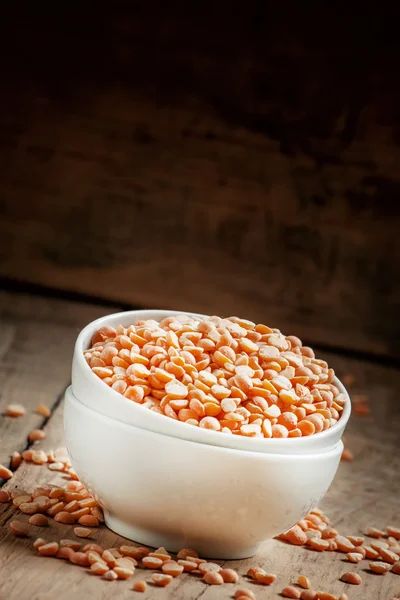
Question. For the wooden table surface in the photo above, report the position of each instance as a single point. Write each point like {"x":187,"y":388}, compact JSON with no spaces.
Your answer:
{"x":36,"y":342}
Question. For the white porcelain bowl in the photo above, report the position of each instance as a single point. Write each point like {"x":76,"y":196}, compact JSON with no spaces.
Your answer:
{"x":164,"y":491}
{"x":94,"y":393}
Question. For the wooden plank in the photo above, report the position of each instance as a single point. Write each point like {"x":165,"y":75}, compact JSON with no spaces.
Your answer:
{"x":195,"y":181}
{"x":354,"y":485}
{"x":158,"y":227}
{"x":36,"y":342}
{"x":365,"y":492}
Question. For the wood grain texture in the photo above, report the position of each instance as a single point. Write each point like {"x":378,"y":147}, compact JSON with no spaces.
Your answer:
{"x":36,"y":344}
{"x":365,"y":491}
{"x":160,"y":162}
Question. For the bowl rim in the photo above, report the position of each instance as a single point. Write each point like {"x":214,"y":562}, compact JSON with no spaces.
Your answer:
{"x":325,"y":452}
{"x":90,"y":328}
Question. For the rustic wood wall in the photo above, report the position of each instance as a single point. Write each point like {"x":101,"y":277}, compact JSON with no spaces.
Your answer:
{"x":215,"y":159}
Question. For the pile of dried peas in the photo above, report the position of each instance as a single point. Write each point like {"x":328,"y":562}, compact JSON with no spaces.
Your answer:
{"x":72,"y":504}
{"x":228,"y":375}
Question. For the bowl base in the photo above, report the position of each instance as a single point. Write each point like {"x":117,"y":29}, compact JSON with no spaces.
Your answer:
{"x":175,"y":543}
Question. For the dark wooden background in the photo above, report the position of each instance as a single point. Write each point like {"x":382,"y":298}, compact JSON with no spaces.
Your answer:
{"x":207,"y":157}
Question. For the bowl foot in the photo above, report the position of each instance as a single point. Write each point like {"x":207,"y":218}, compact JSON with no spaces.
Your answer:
{"x":176,"y":543}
